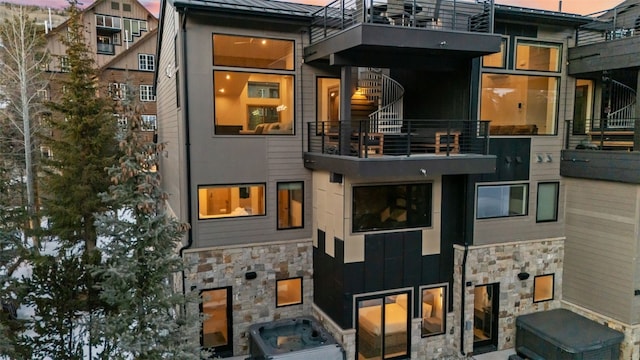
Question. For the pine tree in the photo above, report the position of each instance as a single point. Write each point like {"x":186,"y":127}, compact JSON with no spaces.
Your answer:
{"x":140,"y":257}
{"x":83,"y":144}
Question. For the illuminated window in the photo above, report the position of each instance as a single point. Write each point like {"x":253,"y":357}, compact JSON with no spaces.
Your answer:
{"x":290,"y":205}
{"x":539,"y":56}
{"x":434,"y":306}
{"x":289,"y":292}
{"x":231,"y":201}
{"x":543,"y":288}
{"x":216,"y":325}
{"x":497,"y":60}
{"x":252,"y":52}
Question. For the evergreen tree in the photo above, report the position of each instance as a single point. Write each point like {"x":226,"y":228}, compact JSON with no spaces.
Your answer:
{"x":83,"y":143}
{"x":141,"y":239}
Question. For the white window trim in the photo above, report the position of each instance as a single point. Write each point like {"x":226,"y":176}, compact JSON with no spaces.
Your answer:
{"x":149,"y":119}
{"x":146,"y":93}
{"x":146,"y":62}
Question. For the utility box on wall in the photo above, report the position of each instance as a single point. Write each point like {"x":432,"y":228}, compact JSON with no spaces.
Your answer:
{"x":563,"y":335}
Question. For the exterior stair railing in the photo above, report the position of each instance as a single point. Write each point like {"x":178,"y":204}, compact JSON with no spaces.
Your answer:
{"x":377,"y":86}
{"x":622,"y":105}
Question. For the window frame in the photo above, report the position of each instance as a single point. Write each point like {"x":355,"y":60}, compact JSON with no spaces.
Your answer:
{"x":278,"y":305}
{"x":518,"y":40}
{"x":505,"y":52}
{"x":445,"y":307}
{"x":65,"y":66}
{"x":146,"y":93}
{"x":241,"y":185}
{"x":146,"y":119}
{"x":557,"y":201}
{"x":526,"y":201}
{"x":278,"y":184}
{"x":553,"y":287}
{"x":229,"y":314}
{"x":263,"y":69}
{"x":430,"y":209}
{"x":148,"y":60}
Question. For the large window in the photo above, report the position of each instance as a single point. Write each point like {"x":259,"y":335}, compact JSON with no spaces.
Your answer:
{"x":389,"y":207}
{"x":216,"y":325}
{"x":249,"y":101}
{"x":434,"y":314}
{"x":543,"y":288}
{"x":547,"y":206}
{"x":289,"y":292}
{"x":382,"y":326}
{"x":290,"y":205}
{"x":501,"y":201}
{"x":225,"y":201}
{"x":516,"y":101}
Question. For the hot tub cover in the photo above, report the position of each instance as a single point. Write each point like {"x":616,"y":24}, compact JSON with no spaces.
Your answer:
{"x":569,"y":331}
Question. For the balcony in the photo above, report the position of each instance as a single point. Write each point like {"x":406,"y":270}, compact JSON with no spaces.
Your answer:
{"x":348,"y":32}
{"x":106,"y":49}
{"x":601,"y":134}
{"x":373,"y":148}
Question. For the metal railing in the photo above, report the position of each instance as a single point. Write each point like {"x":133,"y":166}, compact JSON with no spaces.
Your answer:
{"x":612,"y":24}
{"x":417,"y":137}
{"x":599,"y":135}
{"x":447,"y":15}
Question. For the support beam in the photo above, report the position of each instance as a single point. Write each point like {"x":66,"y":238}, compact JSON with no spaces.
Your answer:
{"x":346,"y":86}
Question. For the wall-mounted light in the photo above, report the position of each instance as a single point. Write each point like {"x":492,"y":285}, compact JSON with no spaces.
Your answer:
{"x":523,"y":275}
{"x":548,"y":158}
{"x":250,"y":275}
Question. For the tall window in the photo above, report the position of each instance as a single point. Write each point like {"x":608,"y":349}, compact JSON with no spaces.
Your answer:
{"x":547,"y":205}
{"x":216,"y":309}
{"x":434,"y":310}
{"x":249,"y":101}
{"x":516,"y":101}
{"x":385,"y":207}
{"x":64,"y":64}
{"x":290,"y":205}
{"x":583,"y":106}
{"x":501,"y":201}
{"x":146,"y":93}
{"x":146,"y":62}
{"x":224,"y":201}
{"x":328,"y":102}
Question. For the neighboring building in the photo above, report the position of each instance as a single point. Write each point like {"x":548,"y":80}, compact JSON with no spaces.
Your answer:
{"x":122,"y":37}
{"x":332,"y":160}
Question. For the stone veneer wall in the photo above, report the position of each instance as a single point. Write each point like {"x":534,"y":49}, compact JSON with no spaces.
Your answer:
{"x":630,"y":347}
{"x":501,"y":263}
{"x":254,"y":301}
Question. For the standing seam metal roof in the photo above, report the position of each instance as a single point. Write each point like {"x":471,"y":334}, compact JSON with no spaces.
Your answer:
{"x":262,"y":6}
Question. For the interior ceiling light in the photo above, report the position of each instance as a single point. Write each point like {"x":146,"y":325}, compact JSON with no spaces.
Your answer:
{"x":264,"y":42}
{"x":228,"y":76}
{"x":221,"y":90}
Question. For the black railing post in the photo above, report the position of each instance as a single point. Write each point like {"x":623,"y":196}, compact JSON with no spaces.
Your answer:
{"x":487,"y":130}
{"x":408,"y":149}
{"x":325,"y":23}
{"x":341,"y":14}
{"x":603,"y":123}
{"x":362,"y":142}
{"x":448,"y":136}
{"x":567,"y":129}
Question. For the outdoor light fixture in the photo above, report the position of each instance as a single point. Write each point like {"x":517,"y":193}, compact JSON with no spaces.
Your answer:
{"x":523,"y":275}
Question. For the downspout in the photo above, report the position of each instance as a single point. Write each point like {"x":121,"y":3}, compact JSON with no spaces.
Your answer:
{"x":185,"y":116}
{"x":462,"y":294}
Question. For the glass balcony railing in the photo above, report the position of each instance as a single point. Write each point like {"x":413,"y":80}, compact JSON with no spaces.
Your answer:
{"x":108,"y":49}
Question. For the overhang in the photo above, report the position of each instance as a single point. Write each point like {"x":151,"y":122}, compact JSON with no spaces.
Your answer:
{"x":401,"y":166}
{"x":393,"y":46}
{"x":618,"y":166}
{"x":606,"y":55}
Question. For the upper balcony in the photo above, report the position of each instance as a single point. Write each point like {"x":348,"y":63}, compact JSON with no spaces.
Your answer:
{"x":609,"y":41}
{"x":386,"y":33}
{"x":601,"y":152}
{"x":378,"y":148}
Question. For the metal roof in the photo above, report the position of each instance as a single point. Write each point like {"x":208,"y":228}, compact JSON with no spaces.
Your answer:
{"x":547,"y":16}
{"x":267,"y":7}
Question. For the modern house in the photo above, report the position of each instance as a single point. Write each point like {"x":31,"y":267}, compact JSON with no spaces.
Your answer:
{"x":122,"y":37}
{"x":390,"y":168}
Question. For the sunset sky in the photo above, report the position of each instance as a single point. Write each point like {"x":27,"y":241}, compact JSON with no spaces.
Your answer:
{"x":573,"y":6}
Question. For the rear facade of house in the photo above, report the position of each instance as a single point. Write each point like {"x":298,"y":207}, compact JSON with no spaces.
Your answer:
{"x":392,"y":169}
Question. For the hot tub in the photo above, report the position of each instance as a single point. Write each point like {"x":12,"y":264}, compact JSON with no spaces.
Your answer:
{"x":296,"y":338}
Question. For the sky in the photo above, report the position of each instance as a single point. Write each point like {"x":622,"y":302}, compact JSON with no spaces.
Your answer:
{"x":583,"y":7}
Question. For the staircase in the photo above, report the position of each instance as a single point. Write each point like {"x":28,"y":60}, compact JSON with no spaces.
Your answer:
{"x":622,"y":102}
{"x":387,"y":93}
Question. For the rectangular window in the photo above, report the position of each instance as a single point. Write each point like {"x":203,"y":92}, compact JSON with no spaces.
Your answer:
{"x":497,"y":60}
{"x":146,"y":93}
{"x":543,"y":288}
{"x":538,"y":56}
{"x":224,"y":201}
{"x":118,"y":91}
{"x":46,"y":152}
{"x":520,"y":104}
{"x":434,"y":310}
{"x":268,"y":101}
{"x":64,"y":64}
{"x":496,"y":201}
{"x":328,"y":103}
{"x":107,"y":21}
{"x":146,"y":62}
{"x":387,"y":207}
{"x":582,"y":106}
{"x":216,"y":309}
{"x":252,"y":52}
{"x":290,"y":205}
{"x":126,"y":7}
{"x":115,"y":5}
{"x":289,"y":292}
{"x":547,"y":205}
{"x":148,"y":122}
{"x":43,"y":94}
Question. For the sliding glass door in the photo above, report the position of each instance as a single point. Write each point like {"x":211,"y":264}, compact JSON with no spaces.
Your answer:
{"x":383,"y":326}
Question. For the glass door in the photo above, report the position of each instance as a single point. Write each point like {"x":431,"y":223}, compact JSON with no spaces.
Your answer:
{"x":217,"y":334}
{"x":383,"y":326}
{"x":485,"y":318}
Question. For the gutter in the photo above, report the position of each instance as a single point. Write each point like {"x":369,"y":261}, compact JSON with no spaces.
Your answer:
{"x":185,"y":116}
